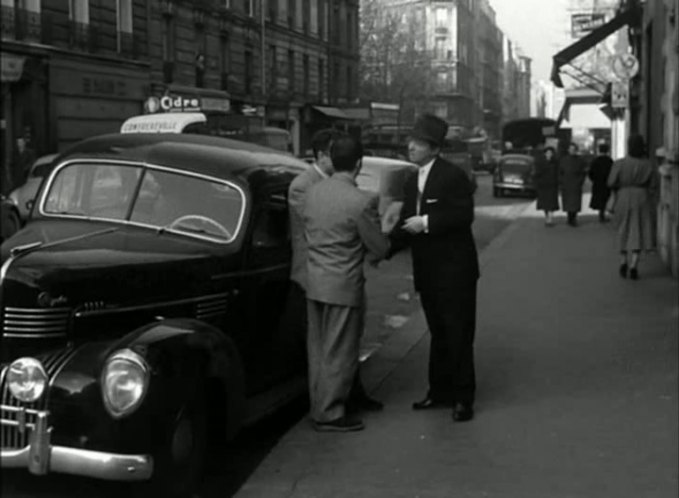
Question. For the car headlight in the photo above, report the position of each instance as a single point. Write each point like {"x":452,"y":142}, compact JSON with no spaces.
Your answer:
{"x":27,"y":379}
{"x":124,"y":382}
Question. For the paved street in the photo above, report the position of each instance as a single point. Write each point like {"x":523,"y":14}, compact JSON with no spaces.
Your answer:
{"x":577,"y":389}
{"x":392,"y":308}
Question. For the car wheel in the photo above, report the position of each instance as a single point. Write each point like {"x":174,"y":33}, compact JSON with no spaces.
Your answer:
{"x":178,"y":463}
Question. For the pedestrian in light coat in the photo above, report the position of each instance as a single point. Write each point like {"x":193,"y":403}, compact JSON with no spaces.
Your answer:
{"x":436,"y":222}
{"x":321,"y":169}
{"x":635,"y":182}
{"x":598,"y":175}
{"x":342,"y":230}
{"x":571,"y":178}
{"x":547,"y":183}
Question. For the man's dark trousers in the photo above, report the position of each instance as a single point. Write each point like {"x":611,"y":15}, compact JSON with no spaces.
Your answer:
{"x":451,"y":317}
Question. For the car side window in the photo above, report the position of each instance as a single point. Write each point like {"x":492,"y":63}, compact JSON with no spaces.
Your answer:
{"x":271,"y":228}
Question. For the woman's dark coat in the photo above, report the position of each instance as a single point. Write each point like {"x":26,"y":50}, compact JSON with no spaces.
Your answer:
{"x":571,"y":178}
{"x":598,"y":174}
{"x":547,"y":183}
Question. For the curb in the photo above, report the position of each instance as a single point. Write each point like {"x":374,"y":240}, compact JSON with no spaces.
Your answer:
{"x":380,"y":364}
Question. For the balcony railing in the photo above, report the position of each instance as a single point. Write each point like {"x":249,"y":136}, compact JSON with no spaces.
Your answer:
{"x":21,"y":24}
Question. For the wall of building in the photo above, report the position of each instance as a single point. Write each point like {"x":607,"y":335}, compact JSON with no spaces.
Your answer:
{"x":82,"y":73}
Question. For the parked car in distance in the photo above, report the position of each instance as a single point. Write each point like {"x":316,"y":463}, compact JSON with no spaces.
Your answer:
{"x":514,"y":173}
{"x":23,"y":196}
{"x":145,"y":309}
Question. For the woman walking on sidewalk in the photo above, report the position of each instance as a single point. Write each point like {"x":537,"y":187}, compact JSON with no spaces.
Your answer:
{"x":547,"y":183}
{"x":635,"y":181}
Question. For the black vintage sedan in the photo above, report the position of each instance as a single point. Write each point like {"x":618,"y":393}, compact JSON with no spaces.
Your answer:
{"x":145,"y":308}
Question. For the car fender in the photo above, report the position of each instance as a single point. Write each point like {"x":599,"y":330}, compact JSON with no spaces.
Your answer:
{"x":180,"y":352}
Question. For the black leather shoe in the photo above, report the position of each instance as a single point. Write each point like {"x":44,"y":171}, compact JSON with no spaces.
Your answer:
{"x":429,"y":404}
{"x":365,"y":404}
{"x":462,"y":412}
{"x":623,"y":270}
{"x":633,"y":274}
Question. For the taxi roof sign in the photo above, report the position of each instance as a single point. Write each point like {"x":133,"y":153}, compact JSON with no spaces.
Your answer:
{"x":169,"y":122}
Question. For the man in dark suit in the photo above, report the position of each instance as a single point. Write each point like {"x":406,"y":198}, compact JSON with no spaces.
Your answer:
{"x":436,"y":219}
{"x":342,"y":230}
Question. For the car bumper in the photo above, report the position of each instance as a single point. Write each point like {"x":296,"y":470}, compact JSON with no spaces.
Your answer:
{"x":514,"y":186}
{"x":40,"y":457}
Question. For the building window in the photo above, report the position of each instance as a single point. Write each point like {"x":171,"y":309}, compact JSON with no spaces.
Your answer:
{"x":305,"y":70}
{"x":442,"y":81}
{"x":321,"y":79}
{"x":442,"y":17}
{"x":79,"y":11}
{"x":272,"y":11}
{"x":440,"y":47}
{"x":248,"y":72}
{"x":322,"y":20}
{"x":306,"y":13}
{"x":124,"y":23}
{"x":250,"y":7}
{"x":349,"y":31}
{"x":291,"y":70}
{"x":227,"y":4}
{"x":225,"y":59}
{"x":350,"y":83}
{"x":272,"y":66}
{"x":336,"y":22}
{"x":313,"y":17}
{"x":291,"y":13}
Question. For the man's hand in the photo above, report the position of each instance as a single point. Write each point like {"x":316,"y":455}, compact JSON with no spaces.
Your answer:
{"x":414,"y":225}
{"x":391,"y":216}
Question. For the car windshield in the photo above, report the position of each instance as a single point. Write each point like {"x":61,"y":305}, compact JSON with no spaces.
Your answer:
{"x":161,"y":199}
{"x":515,"y":166}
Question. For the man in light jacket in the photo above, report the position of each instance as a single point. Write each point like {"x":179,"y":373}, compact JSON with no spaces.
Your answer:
{"x":342,"y":228}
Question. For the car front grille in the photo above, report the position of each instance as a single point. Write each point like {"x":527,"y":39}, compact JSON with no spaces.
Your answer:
{"x":35,"y":323}
{"x":212,"y":307}
{"x":17,"y":419}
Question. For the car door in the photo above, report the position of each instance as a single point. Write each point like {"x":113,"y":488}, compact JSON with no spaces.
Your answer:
{"x":275,"y":316}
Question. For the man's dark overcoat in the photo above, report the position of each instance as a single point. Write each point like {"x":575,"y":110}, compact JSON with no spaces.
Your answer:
{"x":445,"y":270}
{"x":571,"y":177}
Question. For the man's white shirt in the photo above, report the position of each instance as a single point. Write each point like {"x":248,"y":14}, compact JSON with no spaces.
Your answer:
{"x":422,"y":176}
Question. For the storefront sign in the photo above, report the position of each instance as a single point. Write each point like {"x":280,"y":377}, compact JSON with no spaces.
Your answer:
{"x":177,"y":103}
{"x":619,"y":94}
{"x":582,"y":24}
{"x":12,"y":67}
{"x":103,"y":86}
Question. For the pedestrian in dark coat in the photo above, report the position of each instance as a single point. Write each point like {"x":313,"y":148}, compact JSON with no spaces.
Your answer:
{"x":636,"y":183}
{"x":436,"y":222}
{"x":547,"y":183}
{"x":598,"y":175}
{"x":571,"y":178}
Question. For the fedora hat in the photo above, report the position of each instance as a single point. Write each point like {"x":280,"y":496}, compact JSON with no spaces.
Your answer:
{"x":430,"y":128}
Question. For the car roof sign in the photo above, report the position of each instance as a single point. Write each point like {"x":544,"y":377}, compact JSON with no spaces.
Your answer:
{"x":170,"y":122}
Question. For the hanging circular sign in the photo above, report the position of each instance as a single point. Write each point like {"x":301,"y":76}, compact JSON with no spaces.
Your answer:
{"x":625,"y":66}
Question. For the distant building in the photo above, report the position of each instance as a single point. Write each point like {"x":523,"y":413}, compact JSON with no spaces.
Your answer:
{"x":516,"y":96}
{"x":291,"y":64}
{"x":462,"y":48}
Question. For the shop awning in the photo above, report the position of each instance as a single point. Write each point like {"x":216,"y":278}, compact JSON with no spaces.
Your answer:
{"x":331,"y":112}
{"x":626,"y":17}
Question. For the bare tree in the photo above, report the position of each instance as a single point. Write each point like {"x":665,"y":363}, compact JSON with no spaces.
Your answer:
{"x":395,"y":66}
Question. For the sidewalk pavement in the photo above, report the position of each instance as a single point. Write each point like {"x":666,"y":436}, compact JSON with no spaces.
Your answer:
{"x":577,"y":373}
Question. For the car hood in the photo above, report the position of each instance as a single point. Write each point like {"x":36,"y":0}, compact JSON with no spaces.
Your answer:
{"x":84,"y":262}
